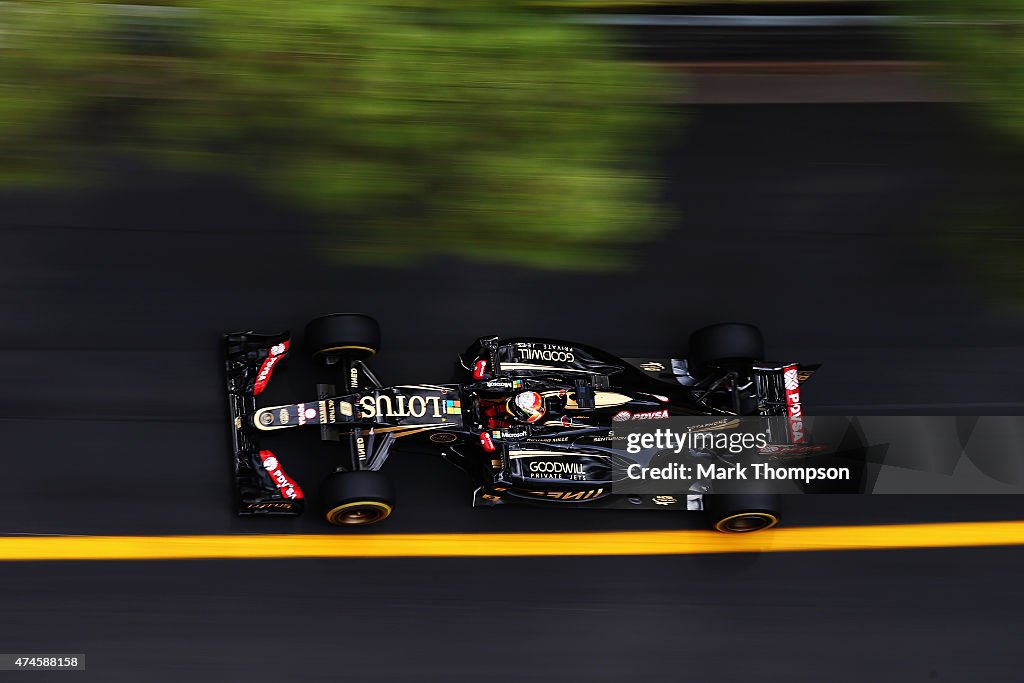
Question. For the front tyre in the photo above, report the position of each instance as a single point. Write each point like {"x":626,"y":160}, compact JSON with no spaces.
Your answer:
{"x":356,"y":498}
{"x":354,"y":334}
{"x":742,"y":513}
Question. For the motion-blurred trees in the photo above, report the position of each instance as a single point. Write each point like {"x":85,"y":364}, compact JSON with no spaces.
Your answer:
{"x":470,"y":127}
{"x":981,"y":42}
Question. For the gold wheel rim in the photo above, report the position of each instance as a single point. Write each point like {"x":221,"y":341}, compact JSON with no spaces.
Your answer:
{"x":763,"y":520}
{"x":352,"y":347}
{"x":358,"y":512}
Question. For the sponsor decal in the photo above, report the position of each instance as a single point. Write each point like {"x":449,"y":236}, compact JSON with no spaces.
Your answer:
{"x":443,"y":437}
{"x":727,"y":423}
{"x":353,"y":378}
{"x":652,"y":367}
{"x":301,"y":413}
{"x":345,"y":408}
{"x":556,"y":467}
{"x":664,"y":500}
{"x":653,"y":415}
{"x":508,"y":434}
{"x":499,"y":384}
{"x":266,"y":419}
{"x":276,"y":353}
{"x":542,"y":465}
{"x":270,"y":506}
{"x":284,"y":483}
{"x":551,"y":354}
{"x":361,"y":447}
{"x":610,"y":437}
{"x":560,"y":468}
{"x":310,"y":413}
{"x":282,"y":416}
{"x":406,"y":406}
{"x":487,"y":443}
{"x":625,"y":415}
{"x":791,"y":380}
{"x":568,"y":495}
{"x":480,"y":369}
{"x":792,"y":449}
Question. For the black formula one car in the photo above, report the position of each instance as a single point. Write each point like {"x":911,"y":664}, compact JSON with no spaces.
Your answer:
{"x":533,"y":420}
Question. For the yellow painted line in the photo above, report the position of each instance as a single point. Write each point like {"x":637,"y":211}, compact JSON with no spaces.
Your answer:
{"x":246,"y":546}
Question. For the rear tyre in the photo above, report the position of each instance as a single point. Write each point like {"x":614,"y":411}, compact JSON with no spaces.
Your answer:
{"x":742,"y":513}
{"x":724,"y":343}
{"x":354,"y":334}
{"x":356,"y":498}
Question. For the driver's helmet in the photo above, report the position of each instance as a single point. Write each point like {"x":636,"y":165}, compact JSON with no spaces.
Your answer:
{"x":527,"y":406}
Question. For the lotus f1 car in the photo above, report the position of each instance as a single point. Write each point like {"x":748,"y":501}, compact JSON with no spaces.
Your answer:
{"x":532,"y":420}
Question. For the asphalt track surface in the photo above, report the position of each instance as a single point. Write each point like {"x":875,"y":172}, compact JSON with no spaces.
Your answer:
{"x":111,"y":413}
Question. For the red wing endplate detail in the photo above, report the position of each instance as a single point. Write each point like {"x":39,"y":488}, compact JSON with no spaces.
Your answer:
{"x":274,"y":356}
{"x":289,"y":489}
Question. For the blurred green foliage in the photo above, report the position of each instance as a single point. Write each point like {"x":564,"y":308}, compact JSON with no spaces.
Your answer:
{"x":981,"y":46}
{"x":472,"y":127}
{"x":994,"y":253}
{"x":981,"y":43}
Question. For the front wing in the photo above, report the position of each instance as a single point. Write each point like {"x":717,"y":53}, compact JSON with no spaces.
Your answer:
{"x":262,"y":486}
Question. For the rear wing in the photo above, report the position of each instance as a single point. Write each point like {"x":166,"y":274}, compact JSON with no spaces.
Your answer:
{"x":778,"y":388}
